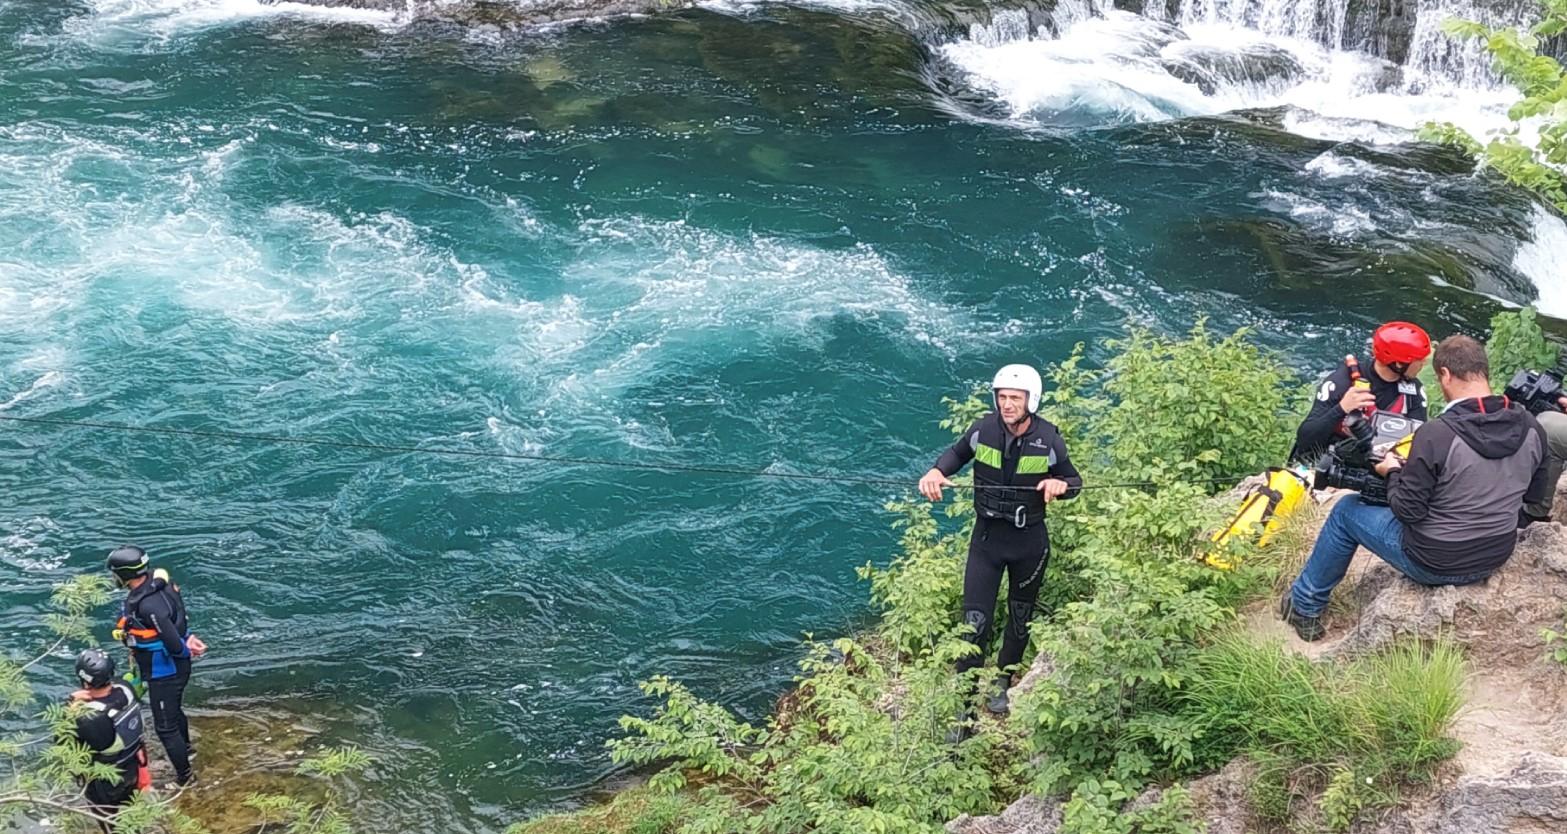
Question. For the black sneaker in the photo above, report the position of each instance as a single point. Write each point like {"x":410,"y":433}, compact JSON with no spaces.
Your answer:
{"x":1307,"y":628}
{"x":1524,"y":519}
{"x":998,"y":702}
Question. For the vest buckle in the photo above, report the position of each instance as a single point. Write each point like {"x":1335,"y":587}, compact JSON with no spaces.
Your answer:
{"x":1019,"y":517}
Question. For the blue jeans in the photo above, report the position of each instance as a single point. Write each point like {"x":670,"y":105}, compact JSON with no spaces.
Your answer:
{"x":1354,"y":523}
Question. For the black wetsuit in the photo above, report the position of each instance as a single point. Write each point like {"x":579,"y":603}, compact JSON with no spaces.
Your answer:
{"x":113,"y":732}
{"x":1010,"y":534}
{"x":155,"y":607}
{"x":1322,"y":425}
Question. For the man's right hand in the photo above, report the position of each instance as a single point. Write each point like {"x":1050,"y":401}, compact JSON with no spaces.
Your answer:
{"x":1357,"y":398}
{"x":931,"y":484}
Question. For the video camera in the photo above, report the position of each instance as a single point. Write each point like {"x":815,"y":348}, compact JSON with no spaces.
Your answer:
{"x":1350,"y":463}
{"x":1538,"y":390}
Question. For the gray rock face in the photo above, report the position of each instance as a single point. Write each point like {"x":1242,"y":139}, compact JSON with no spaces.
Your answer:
{"x":1220,"y":801}
{"x":1510,"y":778}
{"x":1029,"y":815}
{"x":1529,"y":799}
{"x":1502,"y":615}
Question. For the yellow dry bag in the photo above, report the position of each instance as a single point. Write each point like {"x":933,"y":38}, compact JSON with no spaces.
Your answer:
{"x":1259,"y":514}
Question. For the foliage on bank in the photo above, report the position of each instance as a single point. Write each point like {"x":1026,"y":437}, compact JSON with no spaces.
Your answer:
{"x":1147,"y":683}
{"x":1543,"y":84}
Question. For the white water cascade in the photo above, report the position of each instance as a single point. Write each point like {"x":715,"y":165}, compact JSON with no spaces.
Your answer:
{"x":1092,"y":64}
{"x":1322,"y":65}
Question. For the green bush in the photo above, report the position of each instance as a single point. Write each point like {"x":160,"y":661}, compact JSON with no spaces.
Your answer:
{"x":859,"y":746}
{"x":1208,"y":408}
{"x":1517,"y":343}
{"x":1556,"y":643}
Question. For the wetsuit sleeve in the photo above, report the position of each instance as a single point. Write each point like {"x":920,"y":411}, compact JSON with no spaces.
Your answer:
{"x":1065,"y":470}
{"x":960,"y":454}
{"x":156,"y":612}
{"x":1540,"y":485}
{"x":1417,"y":404}
{"x":1411,"y":486}
{"x":1317,"y":431}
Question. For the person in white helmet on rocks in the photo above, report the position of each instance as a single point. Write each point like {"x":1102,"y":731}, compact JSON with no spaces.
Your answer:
{"x":1020,"y":465}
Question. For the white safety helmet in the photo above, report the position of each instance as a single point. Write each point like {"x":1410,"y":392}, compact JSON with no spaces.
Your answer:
{"x":1020,"y":378}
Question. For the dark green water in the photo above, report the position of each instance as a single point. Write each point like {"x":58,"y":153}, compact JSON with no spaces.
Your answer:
{"x":772,"y":239}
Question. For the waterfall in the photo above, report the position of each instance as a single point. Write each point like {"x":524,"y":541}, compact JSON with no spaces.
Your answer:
{"x":1320,"y":20}
{"x":1070,"y":12}
{"x":1436,"y":60}
{"x":1005,"y":26}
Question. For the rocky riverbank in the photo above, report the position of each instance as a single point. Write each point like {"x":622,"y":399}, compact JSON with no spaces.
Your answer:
{"x":1510,"y":776}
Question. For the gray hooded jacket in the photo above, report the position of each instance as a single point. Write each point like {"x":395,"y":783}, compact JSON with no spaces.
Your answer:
{"x":1469,"y":473}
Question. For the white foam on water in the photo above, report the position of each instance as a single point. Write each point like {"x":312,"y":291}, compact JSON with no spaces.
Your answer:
{"x":1344,"y":221}
{"x":889,"y":8}
{"x":697,"y":279}
{"x":1330,"y":166}
{"x":643,"y":296}
{"x":1543,"y":260}
{"x":33,"y":545}
{"x":39,"y":385}
{"x":162,"y":18}
{"x":1102,"y":69}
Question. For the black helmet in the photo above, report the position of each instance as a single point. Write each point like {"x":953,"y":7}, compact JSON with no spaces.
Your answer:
{"x":95,"y":667}
{"x":128,"y":562}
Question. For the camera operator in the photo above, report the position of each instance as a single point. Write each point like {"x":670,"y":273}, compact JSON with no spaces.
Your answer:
{"x":1454,"y":504}
{"x":1398,"y":350}
{"x":1555,"y":424}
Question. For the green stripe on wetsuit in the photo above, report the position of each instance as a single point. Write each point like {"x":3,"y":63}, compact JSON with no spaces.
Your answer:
{"x":988,"y":455}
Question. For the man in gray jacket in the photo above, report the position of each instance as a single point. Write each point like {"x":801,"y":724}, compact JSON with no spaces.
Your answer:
{"x":1454,"y":503}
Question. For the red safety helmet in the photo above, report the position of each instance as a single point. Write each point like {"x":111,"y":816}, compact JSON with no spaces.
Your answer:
{"x":1400,"y":343}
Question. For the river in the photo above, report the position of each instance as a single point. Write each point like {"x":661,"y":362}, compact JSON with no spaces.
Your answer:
{"x":739,"y":235}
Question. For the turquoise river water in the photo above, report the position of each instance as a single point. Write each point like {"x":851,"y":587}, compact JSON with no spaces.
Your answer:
{"x":757,"y":236}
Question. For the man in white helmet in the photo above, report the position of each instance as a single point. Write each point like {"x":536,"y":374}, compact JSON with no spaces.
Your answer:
{"x":1020,"y":465}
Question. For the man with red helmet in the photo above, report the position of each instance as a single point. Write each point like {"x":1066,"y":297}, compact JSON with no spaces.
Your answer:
{"x":1398,"y":350}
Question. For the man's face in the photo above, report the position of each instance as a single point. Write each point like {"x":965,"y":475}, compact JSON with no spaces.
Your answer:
{"x":1012,"y":403}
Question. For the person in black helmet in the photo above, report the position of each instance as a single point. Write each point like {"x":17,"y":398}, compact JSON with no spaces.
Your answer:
{"x":111,"y":727}
{"x":1020,"y":465}
{"x":154,"y":626}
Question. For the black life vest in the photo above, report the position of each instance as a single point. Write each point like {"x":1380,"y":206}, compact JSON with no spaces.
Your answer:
{"x":139,"y":635}
{"x":1000,"y":459}
{"x":127,"y":727}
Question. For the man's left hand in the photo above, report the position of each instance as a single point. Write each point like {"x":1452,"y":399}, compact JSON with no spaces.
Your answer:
{"x":196,"y":646}
{"x":1388,"y":464}
{"x":1052,"y":488}
{"x":1561,"y":403}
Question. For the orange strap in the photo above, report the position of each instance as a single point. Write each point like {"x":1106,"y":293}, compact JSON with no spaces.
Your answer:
{"x":142,"y":633}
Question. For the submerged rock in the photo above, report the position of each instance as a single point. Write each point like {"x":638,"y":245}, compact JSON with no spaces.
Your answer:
{"x":1212,"y":68}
